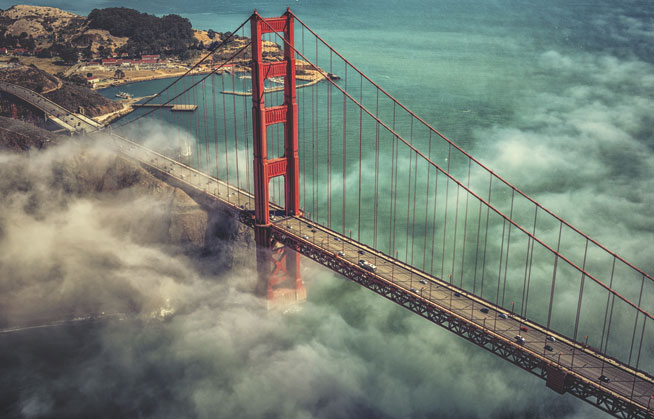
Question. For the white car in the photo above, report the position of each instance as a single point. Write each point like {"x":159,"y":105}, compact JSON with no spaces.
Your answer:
{"x":367,"y":266}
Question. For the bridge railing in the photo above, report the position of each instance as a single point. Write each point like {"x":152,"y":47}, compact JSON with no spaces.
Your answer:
{"x":374,"y":170}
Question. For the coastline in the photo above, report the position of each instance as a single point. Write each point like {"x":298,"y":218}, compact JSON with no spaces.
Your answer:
{"x":110,"y":117}
{"x":138,"y":79}
{"x":106,"y":119}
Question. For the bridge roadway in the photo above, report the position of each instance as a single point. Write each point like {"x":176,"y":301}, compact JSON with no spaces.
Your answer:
{"x":70,"y":121}
{"x":627,"y":394}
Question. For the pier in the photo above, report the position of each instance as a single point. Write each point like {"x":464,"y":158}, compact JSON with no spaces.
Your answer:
{"x":174,"y":108}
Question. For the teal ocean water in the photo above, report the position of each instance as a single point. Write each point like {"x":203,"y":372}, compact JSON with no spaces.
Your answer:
{"x":555,"y":96}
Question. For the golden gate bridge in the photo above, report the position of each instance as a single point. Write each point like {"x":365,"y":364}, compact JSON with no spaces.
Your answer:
{"x":302,"y":146}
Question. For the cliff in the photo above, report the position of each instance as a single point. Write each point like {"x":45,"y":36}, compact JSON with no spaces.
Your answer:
{"x":80,"y":169}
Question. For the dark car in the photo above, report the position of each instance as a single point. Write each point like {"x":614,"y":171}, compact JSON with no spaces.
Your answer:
{"x":423,"y":282}
{"x":520,"y":339}
{"x":604,"y":379}
{"x":548,"y":348}
{"x":361,"y":252}
{"x":484,"y":310}
{"x":414,"y":290}
{"x":341,"y":254}
{"x":457,"y":294}
{"x":337,"y":239}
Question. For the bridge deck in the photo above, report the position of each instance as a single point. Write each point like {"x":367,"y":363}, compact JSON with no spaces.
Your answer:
{"x":627,"y":394}
{"x":61,"y":116}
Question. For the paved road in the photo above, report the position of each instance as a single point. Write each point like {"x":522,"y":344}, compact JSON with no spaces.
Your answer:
{"x":624,"y":381}
{"x":70,"y":121}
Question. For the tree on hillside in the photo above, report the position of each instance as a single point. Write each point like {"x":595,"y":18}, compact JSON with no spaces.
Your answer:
{"x":148,"y":34}
{"x":65,"y":51}
{"x":106,"y":52}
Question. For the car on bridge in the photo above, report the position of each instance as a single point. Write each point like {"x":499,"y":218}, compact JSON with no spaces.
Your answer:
{"x":484,"y":310}
{"x":520,"y":339}
{"x":549,"y":348}
{"x":502,"y":316}
{"x":367,"y":265}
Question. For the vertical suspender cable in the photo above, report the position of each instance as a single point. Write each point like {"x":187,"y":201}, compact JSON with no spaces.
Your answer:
{"x":606,"y":310}
{"x":215,"y":126}
{"x":343,"y":215}
{"x":246,"y":124}
{"x":222,"y":78}
{"x":530,"y":246}
{"x":508,"y":247}
{"x":465,"y":225}
{"x":408,"y":196}
{"x":579,"y":301}
{"x":499,"y":272}
{"x":238,"y":180}
{"x":447,"y":195}
{"x":247,"y":138}
{"x":317,"y":160}
{"x":391,"y":249}
{"x":433,"y":223}
{"x":424,"y":245}
{"x":376,"y":201}
{"x":556,"y":261}
{"x":206,"y":128}
{"x":304,"y":139}
{"x":633,"y":337}
{"x":329,"y":146}
{"x":456,"y":226}
{"x":397,"y":169}
{"x":531,"y":263}
{"x":196,"y":122}
{"x":361,"y":158}
{"x":483,"y":262}
{"x":474,"y":279}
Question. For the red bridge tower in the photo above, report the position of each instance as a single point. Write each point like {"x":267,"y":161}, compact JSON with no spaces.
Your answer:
{"x":278,"y":266}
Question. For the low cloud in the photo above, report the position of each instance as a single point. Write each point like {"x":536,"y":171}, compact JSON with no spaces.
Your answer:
{"x":176,"y":342}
